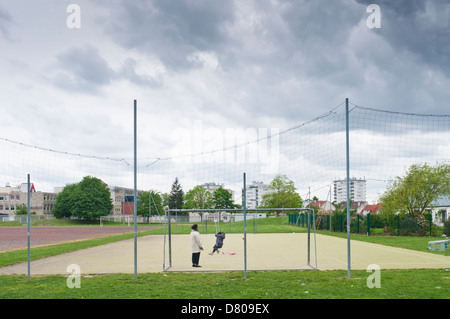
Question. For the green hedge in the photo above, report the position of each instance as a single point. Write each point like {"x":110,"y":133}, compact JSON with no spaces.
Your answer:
{"x":396,"y":225}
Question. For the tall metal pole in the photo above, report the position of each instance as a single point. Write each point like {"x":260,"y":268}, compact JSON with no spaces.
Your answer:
{"x":165,"y":232}
{"x":331,"y":201}
{"x":244,"y":206}
{"x":123,"y":213}
{"x":150,"y":209}
{"x":169,"y":214}
{"x":308,"y":255}
{"x":309,"y":226}
{"x":135,"y":189}
{"x":348,"y":187}
{"x":28,"y":223}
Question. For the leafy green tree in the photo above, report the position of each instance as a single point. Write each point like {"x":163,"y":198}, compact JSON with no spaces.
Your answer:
{"x":165,"y":199}
{"x":419,"y":188}
{"x":282,"y":194}
{"x":88,"y":199}
{"x":145,"y":201}
{"x":176,"y":196}
{"x":64,"y":202}
{"x":198,"y":198}
{"x":222,"y":199}
{"x":23,"y":210}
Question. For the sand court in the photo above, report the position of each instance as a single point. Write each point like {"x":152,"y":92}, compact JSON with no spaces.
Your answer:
{"x":287,"y":251}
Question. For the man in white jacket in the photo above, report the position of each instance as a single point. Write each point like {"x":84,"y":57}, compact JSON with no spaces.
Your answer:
{"x":196,"y":245}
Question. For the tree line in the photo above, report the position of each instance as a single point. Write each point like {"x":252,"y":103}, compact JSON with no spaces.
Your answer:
{"x":413,"y":193}
{"x":91,"y":199}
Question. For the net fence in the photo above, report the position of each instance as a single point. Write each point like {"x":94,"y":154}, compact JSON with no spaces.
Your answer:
{"x":383,"y":144}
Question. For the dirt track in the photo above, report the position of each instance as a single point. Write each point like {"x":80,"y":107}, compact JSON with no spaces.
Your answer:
{"x":16,"y":237}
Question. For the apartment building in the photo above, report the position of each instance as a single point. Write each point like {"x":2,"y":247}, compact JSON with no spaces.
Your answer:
{"x":123,"y":200}
{"x":255,"y":192}
{"x":212,"y":187}
{"x":357,"y":190}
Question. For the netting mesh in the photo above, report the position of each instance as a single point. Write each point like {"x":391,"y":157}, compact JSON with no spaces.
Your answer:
{"x":49,"y":168}
{"x":383,"y":145}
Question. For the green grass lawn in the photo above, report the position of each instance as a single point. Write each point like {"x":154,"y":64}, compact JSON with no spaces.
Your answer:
{"x":408,"y":242}
{"x":395,"y":284}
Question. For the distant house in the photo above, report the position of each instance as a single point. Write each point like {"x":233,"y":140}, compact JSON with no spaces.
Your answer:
{"x":371,"y":209}
{"x":440,"y":210}
{"x":323,"y":206}
{"x":357,"y":206}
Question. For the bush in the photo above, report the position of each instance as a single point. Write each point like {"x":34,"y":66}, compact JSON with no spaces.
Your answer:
{"x":409,"y":226}
{"x":362,"y":225}
{"x":377,"y":221}
{"x":337,"y":220}
{"x":424,"y":224}
{"x":447,"y":227}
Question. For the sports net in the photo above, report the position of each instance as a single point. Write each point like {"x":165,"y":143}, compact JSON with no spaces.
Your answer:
{"x":383,"y":144}
{"x":243,"y":249}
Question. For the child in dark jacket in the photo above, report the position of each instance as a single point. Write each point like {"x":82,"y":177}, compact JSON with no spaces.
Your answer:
{"x":220,"y":236}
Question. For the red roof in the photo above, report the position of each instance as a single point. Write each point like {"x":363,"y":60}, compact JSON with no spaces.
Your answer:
{"x":318,"y":203}
{"x":373,"y":208}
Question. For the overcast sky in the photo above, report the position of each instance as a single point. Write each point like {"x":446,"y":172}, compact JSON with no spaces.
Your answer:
{"x":228,"y":64}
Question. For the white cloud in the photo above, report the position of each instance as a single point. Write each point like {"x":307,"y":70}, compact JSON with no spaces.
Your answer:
{"x":234,"y":64}
{"x":206,"y":59}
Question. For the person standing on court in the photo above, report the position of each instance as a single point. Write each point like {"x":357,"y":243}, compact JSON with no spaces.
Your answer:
{"x":196,"y":245}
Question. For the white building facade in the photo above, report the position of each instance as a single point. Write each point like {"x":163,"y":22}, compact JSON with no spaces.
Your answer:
{"x":357,"y":190}
{"x":212,"y":187}
{"x":254,"y":194}
{"x":11,"y":198}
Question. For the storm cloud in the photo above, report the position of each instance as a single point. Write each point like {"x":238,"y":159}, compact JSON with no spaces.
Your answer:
{"x":420,"y":27}
{"x":228,"y":64}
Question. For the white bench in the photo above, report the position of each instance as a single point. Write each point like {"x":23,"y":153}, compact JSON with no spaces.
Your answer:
{"x":438,"y":244}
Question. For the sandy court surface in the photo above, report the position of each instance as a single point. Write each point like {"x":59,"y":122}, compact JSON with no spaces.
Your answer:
{"x":289,"y":251}
{"x":264,"y":251}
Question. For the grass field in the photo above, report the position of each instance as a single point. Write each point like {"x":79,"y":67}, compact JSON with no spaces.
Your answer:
{"x":395,"y":284}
